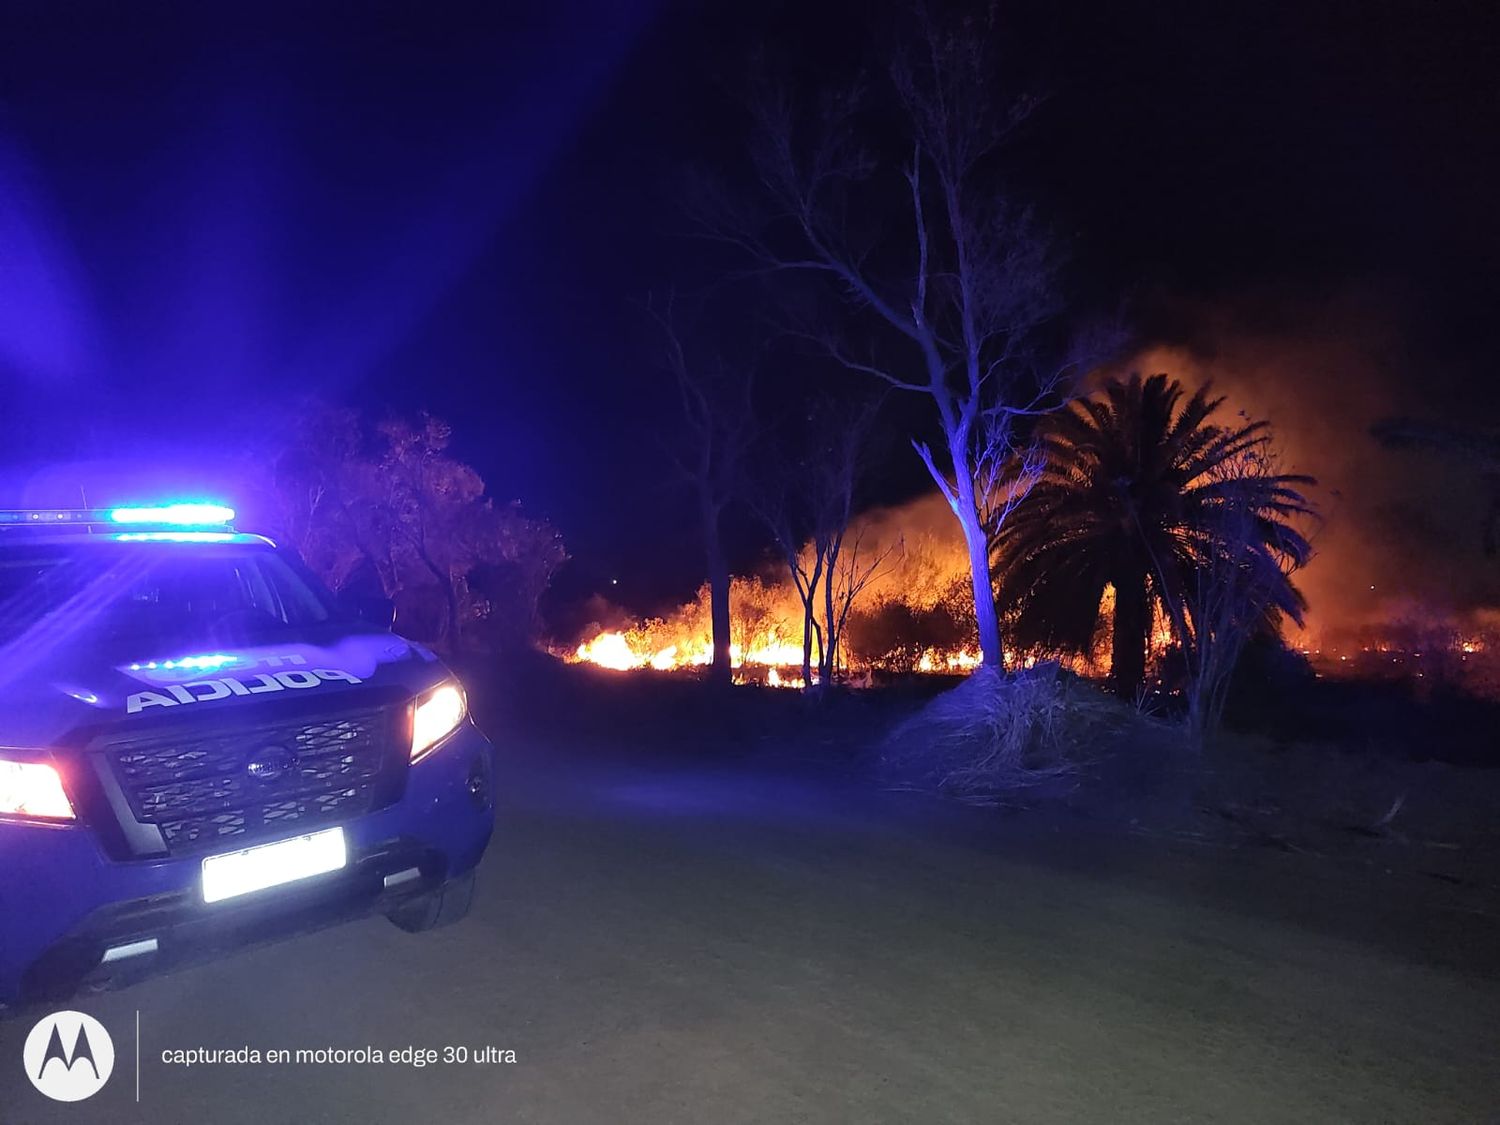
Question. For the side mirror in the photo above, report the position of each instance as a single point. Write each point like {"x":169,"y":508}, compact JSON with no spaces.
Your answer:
{"x":377,"y":611}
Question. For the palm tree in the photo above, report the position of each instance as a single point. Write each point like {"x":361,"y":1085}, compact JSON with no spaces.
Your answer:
{"x":1131,"y":491}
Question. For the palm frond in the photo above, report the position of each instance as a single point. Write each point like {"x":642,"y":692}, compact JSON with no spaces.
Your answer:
{"x":1136,"y":485}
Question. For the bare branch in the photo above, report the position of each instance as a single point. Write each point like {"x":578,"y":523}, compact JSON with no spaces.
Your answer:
{"x":965,"y":296}
{"x":830,"y":347}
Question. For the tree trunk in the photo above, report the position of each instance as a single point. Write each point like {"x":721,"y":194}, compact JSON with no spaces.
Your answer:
{"x":1132,"y":625}
{"x":450,"y":597}
{"x":808,"y":592}
{"x":720,"y":670}
{"x":966,"y":509}
{"x":807,"y":642}
{"x":965,"y":504}
{"x":829,"y":659}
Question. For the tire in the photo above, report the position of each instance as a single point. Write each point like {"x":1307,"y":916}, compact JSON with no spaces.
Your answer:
{"x":444,"y":906}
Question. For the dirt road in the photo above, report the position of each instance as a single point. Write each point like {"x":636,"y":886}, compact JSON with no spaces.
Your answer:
{"x":663,"y":944}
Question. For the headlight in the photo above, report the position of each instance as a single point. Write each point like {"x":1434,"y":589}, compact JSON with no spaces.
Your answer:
{"x":33,"y":789}
{"x":435,"y":715}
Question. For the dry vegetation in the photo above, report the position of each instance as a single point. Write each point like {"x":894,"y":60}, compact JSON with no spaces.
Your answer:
{"x":993,"y":734}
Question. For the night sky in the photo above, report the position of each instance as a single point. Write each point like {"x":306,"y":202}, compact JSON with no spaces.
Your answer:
{"x":209,"y":211}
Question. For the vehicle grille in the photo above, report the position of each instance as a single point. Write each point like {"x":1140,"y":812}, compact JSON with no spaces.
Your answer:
{"x":198,"y":789}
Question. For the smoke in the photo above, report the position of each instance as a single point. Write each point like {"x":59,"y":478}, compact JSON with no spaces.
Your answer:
{"x":912,"y":553}
{"x":1398,"y":538}
{"x":1399,"y":533}
{"x":922,"y":549}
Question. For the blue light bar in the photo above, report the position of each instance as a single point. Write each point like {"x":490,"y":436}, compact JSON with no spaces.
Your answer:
{"x":176,"y":515}
{"x":209,"y":662}
{"x":179,"y":537}
{"x":37,"y":517}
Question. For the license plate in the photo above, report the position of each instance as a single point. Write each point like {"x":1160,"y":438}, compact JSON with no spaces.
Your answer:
{"x":271,"y":865}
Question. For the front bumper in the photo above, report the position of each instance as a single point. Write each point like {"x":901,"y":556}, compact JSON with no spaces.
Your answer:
{"x":64,"y":902}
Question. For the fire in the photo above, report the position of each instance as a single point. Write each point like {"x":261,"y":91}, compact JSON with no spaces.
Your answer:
{"x":612,"y":650}
{"x":928,"y":562}
{"x":664,"y":660}
{"x":766,"y":631}
{"x":1452,"y":652}
{"x":769,"y":651}
{"x":912,"y":620}
{"x":766,"y":644}
{"x":624,"y":652}
{"x":961,"y":660}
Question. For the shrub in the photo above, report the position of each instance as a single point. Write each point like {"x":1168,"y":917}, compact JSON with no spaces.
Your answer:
{"x":891,"y":635}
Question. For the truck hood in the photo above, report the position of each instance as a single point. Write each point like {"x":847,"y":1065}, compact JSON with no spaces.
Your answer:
{"x":120,"y":683}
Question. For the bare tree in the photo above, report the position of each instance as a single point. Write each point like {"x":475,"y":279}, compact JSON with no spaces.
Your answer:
{"x":806,"y":501}
{"x":782,"y":505}
{"x":962,"y":294}
{"x":851,"y":569}
{"x":719,"y":427}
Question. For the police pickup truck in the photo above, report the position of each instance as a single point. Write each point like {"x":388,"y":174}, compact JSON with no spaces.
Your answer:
{"x":200,"y":747}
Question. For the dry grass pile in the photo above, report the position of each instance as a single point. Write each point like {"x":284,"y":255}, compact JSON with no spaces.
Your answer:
{"x":993,"y":734}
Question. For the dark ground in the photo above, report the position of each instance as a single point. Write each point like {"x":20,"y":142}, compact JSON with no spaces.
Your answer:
{"x":720,"y":927}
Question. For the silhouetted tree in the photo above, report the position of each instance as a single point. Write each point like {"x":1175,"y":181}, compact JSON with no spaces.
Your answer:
{"x":316,"y":497}
{"x":959,"y":279}
{"x":1140,"y":490}
{"x":1243,"y":560}
{"x":718,"y":429}
{"x":805,"y":494}
{"x":388,"y":500}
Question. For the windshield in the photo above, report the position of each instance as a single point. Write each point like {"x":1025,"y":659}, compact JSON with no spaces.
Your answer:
{"x":89,"y":593}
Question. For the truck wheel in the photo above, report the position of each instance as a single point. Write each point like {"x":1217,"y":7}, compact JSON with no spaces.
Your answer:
{"x":441,"y":907}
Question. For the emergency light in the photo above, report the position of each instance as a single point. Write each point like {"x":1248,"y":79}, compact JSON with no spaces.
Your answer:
{"x":179,"y":515}
{"x":175,"y":537}
{"x":176,"y":515}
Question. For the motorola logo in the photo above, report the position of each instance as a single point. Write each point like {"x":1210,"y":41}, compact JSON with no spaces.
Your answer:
{"x":69,"y":1056}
